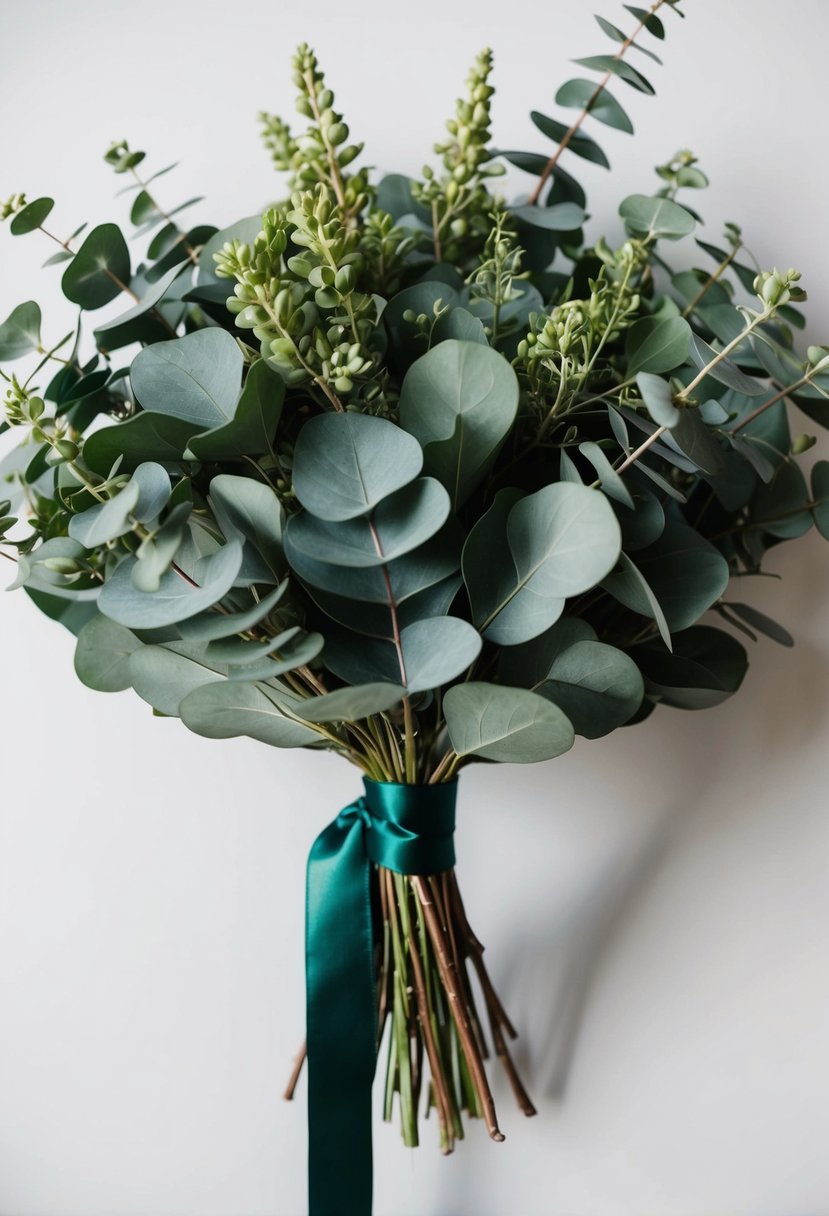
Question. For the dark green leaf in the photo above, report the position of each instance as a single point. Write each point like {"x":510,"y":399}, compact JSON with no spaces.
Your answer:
{"x":706,"y":667}
{"x":31,"y":216}
{"x":579,"y":94}
{"x":597,"y":686}
{"x":148,"y":436}
{"x":100,"y":270}
{"x":252,"y":429}
{"x":579,"y":143}
{"x":657,"y":346}
{"x":618,"y":67}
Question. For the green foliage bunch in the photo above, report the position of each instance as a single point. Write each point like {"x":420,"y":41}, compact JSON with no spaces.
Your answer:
{"x":405,"y":470}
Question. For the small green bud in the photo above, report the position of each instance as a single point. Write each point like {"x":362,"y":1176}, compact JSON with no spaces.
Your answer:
{"x":802,"y":444}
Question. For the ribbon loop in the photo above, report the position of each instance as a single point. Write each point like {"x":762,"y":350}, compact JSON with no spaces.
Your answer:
{"x":406,"y":828}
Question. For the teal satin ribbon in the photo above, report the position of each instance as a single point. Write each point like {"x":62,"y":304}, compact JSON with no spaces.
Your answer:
{"x":406,"y":828}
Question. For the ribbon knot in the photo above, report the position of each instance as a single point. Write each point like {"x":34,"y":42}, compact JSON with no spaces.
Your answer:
{"x":405,"y":828}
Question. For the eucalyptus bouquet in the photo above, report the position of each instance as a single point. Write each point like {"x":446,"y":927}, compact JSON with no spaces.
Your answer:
{"x":423,"y":477}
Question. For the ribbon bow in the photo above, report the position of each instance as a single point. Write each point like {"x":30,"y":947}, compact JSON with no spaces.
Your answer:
{"x":405,"y":828}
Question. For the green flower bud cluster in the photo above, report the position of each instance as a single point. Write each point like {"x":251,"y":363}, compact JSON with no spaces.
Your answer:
{"x":385,"y":249}
{"x":564,"y":344}
{"x":13,"y":204}
{"x":459,"y":200}
{"x":776,"y":288}
{"x":500,"y":267}
{"x":306,"y":312}
{"x":20,"y":407}
{"x":322,"y":153}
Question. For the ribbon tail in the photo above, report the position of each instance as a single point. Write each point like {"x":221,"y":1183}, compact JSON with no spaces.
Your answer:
{"x":341,"y":1019}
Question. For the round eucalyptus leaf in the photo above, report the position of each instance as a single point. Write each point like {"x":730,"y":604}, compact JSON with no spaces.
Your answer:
{"x":100,"y":270}
{"x":529,"y":664}
{"x":252,"y":429}
{"x":102,"y":655}
{"x":706,"y":667}
{"x":154,"y":491}
{"x":375,"y":620}
{"x":164,"y":675}
{"x":345,"y":464}
{"x":684,"y":571}
{"x":176,"y":599}
{"x":656,"y":217}
{"x":597,"y":686}
{"x":421,"y":299}
{"x":782,"y":508}
{"x":123,"y":329}
{"x":657,"y":346}
{"x":106,"y":521}
{"x":252,"y":512}
{"x":226,"y":709}
{"x":400,"y":523}
{"x":352,"y":703}
{"x":30,"y":217}
{"x":658,"y":396}
{"x":20,"y":332}
{"x":525,"y":557}
{"x":509,"y":725}
{"x":461,"y":324}
{"x":195,"y":378}
{"x":408,"y":575}
{"x":147,"y":436}
{"x":562,"y":217}
{"x":459,"y":400}
{"x":434,"y":652}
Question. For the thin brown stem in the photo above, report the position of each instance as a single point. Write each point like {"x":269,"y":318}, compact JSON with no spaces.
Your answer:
{"x":456,"y":1004}
{"x":296,"y":1071}
{"x":594,"y":97}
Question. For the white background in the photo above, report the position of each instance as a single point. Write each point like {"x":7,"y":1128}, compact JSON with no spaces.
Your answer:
{"x":655,"y":905}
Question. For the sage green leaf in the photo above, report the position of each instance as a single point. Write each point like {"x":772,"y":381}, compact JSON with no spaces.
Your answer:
{"x":561,"y":217}
{"x":252,"y":512}
{"x":528,"y":665}
{"x":725,"y":371}
{"x":658,"y":396}
{"x":157,"y":552}
{"x":30,"y":217}
{"x":631,"y":588}
{"x":698,"y":442}
{"x":345,"y":464}
{"x":123,"y":329}
{"x":762,"y":623}
{"x":106,"y":521}
{"x":459,"y":400}
{"x":154,"y":491}
{"x":685,"y":573}
{"x":524,"y":558}
{"x":509,"y":725}
{"x":597,"y":686}
{"x":406,"y":340}
{"x":618,"y":67}
{"x":147,"y":436}
{"x":102,"y":655}
{"x":351,"y":704}
{"x":656,"y":217}
{"x":20,"y":332}
{"x":175,"y":599}
{"x":646,"y":522}
{"x":651,"y":23}
{"x":210,"y":626}
{"x":164,"y":675}
{"x":376,"y":621}
{"x":100,"y":270}
{"x":434,"y":652}
{"x":400,"y":523}
{"x":707,"y":667}
{"x":657,"y":346}
{"x":582,"y":145}
{"x":291,"y":649}
{"x":609,"y":479}
{"x":820,"y":497}
{"x":195,"y":378}
{"x":252,"y":429}
{"x":460,"y":324}
{"x":782,"y":508}
{"x":581,"y":94}
{"x":409,"y":575}
{"x":226,"y":709}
